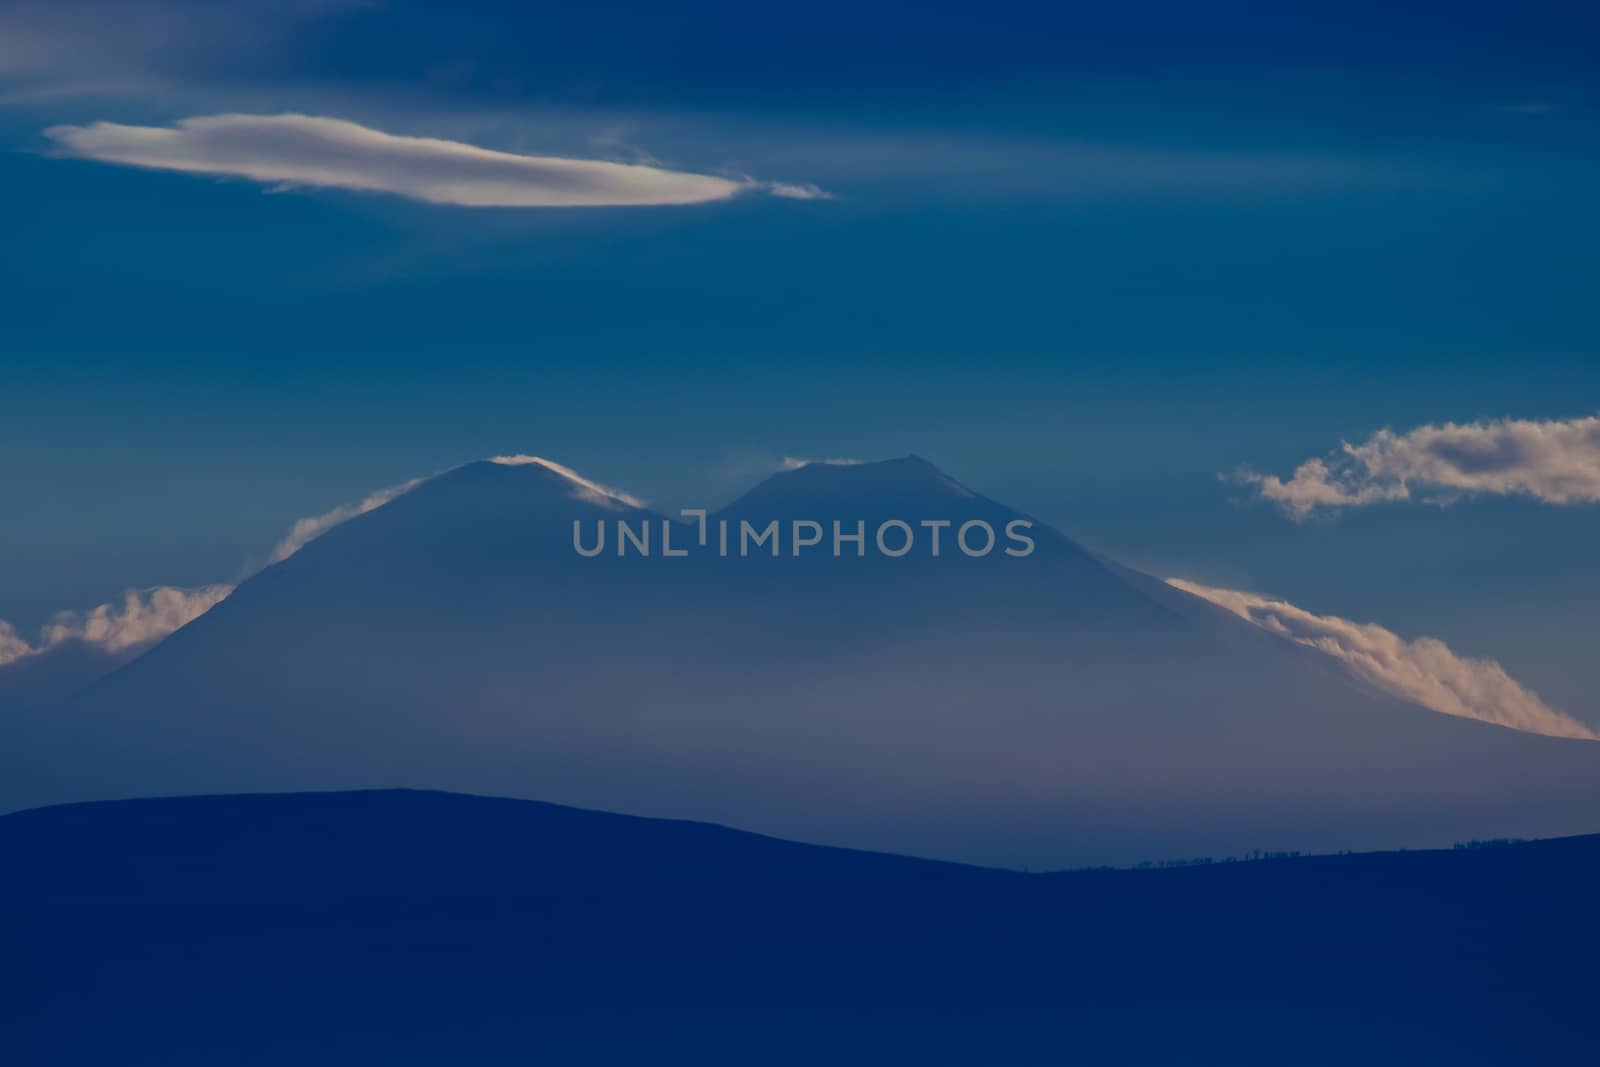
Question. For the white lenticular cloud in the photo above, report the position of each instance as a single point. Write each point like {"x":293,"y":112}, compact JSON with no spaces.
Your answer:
{"x":592,"y":491}
{"x":1424,"y":671}
{"x":309,"y":529}
{"x":1554,"y":461}
{"x":289,"y":151}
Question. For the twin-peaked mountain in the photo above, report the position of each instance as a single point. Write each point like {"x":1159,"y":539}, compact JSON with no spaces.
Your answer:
{"x":1046,"y":709}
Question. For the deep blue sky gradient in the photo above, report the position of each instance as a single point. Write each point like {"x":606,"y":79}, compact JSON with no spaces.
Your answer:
{"x":1086,"y":260}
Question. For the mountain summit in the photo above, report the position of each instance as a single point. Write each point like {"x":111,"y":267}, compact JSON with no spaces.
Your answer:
{"x":1045,"y":709}
{"x":892,"y":479}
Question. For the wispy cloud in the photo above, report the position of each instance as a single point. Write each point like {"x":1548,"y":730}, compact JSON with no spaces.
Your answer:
{"x":288,"y":151}
{"x":143,"y":617}
{"x":309,"y":529}
{"x":797,"y":191}
{"x":794,"y":463}
{"x":1424,"y":671}
{"x":583,"y":487}
{"x":972,"y":163}
{"x":96,"y":43}
{"x":1555,"y":461}
{"x":12,"y":646}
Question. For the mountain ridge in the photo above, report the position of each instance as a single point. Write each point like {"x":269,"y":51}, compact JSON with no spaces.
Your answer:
{"x":421,"y":928}
{"x":1056,"y":709}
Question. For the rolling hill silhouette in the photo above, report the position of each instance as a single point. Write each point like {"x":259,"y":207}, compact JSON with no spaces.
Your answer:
{"x":1048,"y":710}
{"x":422,"y":928}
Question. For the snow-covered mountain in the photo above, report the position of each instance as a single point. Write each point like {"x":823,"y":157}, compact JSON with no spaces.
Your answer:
{"x":1045,"y":708}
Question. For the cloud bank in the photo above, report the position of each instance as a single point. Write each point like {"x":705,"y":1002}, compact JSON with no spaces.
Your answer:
{"x":289,"y":151}
{"x":142,"y":618}
{"x":1555,"y":461}
{"x":309,"y":529}
{"x":1424,"y":671}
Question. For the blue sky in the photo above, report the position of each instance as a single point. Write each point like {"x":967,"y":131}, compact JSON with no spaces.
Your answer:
{"x":1085,"y":258}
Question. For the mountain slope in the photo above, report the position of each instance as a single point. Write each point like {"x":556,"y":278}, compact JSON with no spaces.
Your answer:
{"x":1044,"y":710}
{"x":417,"y":928}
